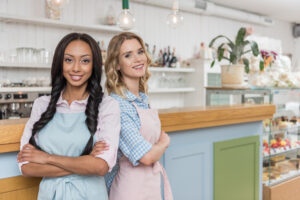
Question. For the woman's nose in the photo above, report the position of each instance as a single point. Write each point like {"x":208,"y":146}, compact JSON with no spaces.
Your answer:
{"x":76,"y":66}
{"x":137,"y":57}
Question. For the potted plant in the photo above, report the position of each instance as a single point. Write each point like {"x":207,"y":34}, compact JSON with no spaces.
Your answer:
{"x":232,"y":75}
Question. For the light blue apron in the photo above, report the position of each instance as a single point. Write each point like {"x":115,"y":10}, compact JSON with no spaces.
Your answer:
{"x":66,"y":135}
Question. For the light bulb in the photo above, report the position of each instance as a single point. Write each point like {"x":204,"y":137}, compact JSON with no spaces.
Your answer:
{"x":126,"y":20}
{"x":175,"y":18}
{"x":57,"y":4}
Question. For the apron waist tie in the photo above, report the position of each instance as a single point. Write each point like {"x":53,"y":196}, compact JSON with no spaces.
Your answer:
{"x":158,"y":168}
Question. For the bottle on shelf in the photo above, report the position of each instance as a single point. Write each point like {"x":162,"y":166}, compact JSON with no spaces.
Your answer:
{"x":173,"y":60}
{"x":103,"y":50}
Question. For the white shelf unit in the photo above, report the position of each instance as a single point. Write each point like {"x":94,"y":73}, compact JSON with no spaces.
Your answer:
{"x":166,"y":69}
{"x":24,"y":65}
{"x":186,"y":71}
{"x":25,"y":89}
{"x":163,"y":94}
{"x":56,"y":23}
{"x":171,"y":90}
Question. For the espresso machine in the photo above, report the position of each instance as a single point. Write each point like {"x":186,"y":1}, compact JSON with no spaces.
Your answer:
{"x":18,"y":104}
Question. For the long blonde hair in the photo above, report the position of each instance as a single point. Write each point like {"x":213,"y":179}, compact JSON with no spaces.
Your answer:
{"x":114,"y":82}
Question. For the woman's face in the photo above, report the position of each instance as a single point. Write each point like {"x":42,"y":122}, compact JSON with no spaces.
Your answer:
{"x":78,"y":63}
{"x":132,"y":60}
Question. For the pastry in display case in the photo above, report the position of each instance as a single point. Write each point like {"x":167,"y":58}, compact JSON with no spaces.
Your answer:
{"x":281,"y":150}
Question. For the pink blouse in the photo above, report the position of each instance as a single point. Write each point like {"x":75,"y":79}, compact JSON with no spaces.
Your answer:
{"x":108,"y":128}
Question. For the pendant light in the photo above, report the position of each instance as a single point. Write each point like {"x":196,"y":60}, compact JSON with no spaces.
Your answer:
{"x":57,"y":4}
{"x":126,"y":19}
{"x":54,"y":8}
{"x":175,"y":18}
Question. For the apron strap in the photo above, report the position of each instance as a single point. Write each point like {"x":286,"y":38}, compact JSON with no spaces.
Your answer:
{"x":167,"y":187}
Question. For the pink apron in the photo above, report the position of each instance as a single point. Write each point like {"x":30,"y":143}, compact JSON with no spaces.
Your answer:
{"x":142,"y":182}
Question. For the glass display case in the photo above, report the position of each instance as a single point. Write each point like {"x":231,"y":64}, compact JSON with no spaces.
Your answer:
{"x":277,"y":96}
{"x":281,"y":137}
{"x":281,"y":149}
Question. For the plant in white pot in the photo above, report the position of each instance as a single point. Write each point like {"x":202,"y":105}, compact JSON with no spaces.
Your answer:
{"x":232,"y":75}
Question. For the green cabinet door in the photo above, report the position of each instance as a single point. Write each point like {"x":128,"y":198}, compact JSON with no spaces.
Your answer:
{"x":236,"y":169}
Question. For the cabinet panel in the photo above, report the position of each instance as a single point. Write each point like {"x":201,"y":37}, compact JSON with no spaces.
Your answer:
{"x":288,"y":190}
{"x":186,"y":167}
{"x":236,"y":169}
{"x":25,"y":194}
{"x":19,"y":187}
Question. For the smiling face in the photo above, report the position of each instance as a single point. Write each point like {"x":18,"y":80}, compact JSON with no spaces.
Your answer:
{"x":132,"y":60}
{"x":77,"y":64}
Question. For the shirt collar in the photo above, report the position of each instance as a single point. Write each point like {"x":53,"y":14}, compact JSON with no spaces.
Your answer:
{"x":131,"y":97}
{"x":61,"y":101}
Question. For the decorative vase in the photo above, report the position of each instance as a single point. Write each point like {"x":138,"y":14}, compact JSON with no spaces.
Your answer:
{"x":232,"y":76}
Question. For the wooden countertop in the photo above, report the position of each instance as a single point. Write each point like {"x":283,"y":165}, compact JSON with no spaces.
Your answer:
{"x":200,"y":117}
{"x":175,"y":119}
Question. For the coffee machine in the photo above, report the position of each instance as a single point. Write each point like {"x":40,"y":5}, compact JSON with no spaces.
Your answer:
{"x":18,"y":104}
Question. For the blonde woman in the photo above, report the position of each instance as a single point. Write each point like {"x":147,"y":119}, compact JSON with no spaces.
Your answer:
{"x":137,"y":174}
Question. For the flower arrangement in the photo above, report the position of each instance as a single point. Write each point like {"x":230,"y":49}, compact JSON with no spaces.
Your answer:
{"x":268,"y":58}
{"x":236,"y":49}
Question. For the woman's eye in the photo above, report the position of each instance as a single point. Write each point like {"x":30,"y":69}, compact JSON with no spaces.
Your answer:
{"x":141,"y":52}
{"x":85,"y":61}
{"x":68,"y":60}
{"x":127,"y":55}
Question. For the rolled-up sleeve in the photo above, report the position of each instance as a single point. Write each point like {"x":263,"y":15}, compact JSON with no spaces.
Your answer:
{"x":108,"y":129}
{"x":132,"y":143}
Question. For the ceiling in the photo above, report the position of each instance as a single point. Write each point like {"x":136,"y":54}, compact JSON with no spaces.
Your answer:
{"x":288,"y":10}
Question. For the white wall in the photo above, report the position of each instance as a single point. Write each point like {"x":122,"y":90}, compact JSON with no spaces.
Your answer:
{"x":296,"y":55}
{"x":199,"y":28}
{"x":150,"y":23}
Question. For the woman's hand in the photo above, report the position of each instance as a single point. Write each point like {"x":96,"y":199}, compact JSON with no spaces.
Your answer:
{"x":164,"y":139}
{"x":31,"y":154}
{"x":99,"y":147}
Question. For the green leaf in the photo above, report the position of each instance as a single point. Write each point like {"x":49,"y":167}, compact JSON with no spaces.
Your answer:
{"x":261,"y":65}
{"x":246,"y":42}
{"x":221,"y":52}
{"x":246,"y":63}
{"x":240,"y":36}
{"x":220,"y":36}
{"x":254,"y":48}
{"x":231,"y":45}
{"x":233,"y":58}
{"x":212,"y":63}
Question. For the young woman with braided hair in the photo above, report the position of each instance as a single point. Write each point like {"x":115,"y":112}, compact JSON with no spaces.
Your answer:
{"x":63,"y":127}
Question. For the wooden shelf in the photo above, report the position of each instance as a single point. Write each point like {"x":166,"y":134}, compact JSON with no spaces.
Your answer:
{"x":171,"y":90}
{"x":56,"y":23}
{"x":23,"y":65}
{"x":167,"y":69}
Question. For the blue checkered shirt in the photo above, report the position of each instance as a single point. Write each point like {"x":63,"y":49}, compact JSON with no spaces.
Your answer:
{"x":132,"y":143}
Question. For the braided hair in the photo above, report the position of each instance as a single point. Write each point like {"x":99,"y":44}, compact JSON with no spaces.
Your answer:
{"x":58,"y":83}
